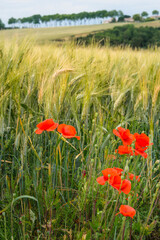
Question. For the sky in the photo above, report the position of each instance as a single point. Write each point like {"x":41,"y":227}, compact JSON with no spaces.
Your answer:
{"x":26,"y":8}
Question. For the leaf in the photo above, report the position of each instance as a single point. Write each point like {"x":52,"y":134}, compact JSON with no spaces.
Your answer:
{"x":24,"y":196}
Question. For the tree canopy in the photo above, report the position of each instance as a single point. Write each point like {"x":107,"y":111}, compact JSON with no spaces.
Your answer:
{"x":155,"y":12}
{"x":2,"y":25}
{"x":144,"y":14}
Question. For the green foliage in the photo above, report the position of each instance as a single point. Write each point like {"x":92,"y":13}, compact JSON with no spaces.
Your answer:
{"x":149,"y":19}
{"x":121,"y":19}
{"x":12,"y":20}
{"x":144,"y":14}
{"x":155,"y":12}
{"x":137,"y":17}
{"x":142,"y":37}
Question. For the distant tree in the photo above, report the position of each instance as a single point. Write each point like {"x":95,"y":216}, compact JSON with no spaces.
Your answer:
{"x":137,"y":17}
{"x":113,"y":13}
{"x":36,"y":18}
{"x":144,"y":14}
{"x":155,"y":12}
{"x":12,"y":20}
{"x":121,"y":19}
{"x":2,"y":26}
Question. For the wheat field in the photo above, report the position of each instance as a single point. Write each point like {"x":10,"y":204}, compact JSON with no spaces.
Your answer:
{"x":43,"y":191}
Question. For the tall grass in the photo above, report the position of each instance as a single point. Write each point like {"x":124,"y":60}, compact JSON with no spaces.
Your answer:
{"x":44,"y":194}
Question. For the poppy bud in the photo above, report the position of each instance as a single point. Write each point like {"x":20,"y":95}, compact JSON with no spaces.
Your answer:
{"x":96,"y":145}
{"x":83,"y":173}
{"x":122,"y":177}
{"x":92,"y":160}
{"x":126,"y":169}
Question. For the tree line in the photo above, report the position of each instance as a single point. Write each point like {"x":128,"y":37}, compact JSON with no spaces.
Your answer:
{"x":36,"y":19}
{"x":73,"y":19}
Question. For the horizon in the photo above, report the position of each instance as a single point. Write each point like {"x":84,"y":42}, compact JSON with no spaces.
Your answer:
{"x":26,"y":8}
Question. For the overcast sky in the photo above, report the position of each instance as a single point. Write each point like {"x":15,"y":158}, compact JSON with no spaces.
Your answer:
{"x":25,"y":8}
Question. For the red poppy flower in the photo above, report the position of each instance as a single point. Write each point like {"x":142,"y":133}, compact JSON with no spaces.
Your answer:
{"x":101,"y":180}
{"x":112,"y":175}
{"x":108,"y":173}
{"x":126,"y":186}
{"x":67,"y":131}
{"x":140,"y":150}
{"x":125,"y":135}
{"x":47,"y":125}
{"x":131,"y":177}
{"x":142,"y":139}
{"x":124,"y":149}
{"x":127,"y":211}
{"x":121,"y":185}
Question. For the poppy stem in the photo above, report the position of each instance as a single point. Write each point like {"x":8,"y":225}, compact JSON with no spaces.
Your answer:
{"x":113,"y":216}
{"x":105,"y":207}
{"x":65,"y":140}
{"x":123,"y":229}
{"x":130,"y":229}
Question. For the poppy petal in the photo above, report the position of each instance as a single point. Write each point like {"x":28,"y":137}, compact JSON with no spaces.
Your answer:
{"x":116,"y":133}
{"x":38,"y":131}
{"x":127,"y":211}
{"x":66,"y":136}
{"x":109,"y":171}
{"x":45,"y":124}
{"x":67,"y":131}
{"x":101,"y":180}
{"x":78,"y":137}
{"x":143,"y":154}
{"x":53,"y":127}
{"x":126,"y":186}
{"x":60,"y":127}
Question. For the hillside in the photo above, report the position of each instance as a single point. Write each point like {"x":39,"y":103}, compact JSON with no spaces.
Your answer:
{"x":43,"y":35}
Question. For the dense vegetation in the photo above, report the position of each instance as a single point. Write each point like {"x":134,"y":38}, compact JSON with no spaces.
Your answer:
{"x":127,"y":35}
{"x":48,"y":187}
